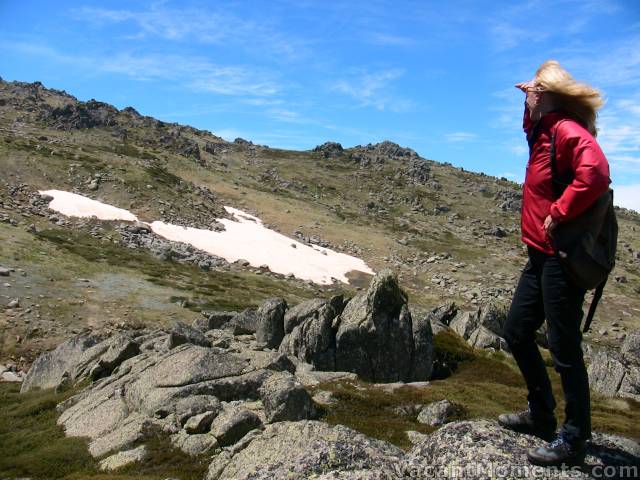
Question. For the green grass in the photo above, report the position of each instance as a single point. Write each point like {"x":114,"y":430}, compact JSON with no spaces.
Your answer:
{"x":203,"y":290}
{"x":484,"y":385}
{"x":161,"y":175}
{"x":34,"y":446}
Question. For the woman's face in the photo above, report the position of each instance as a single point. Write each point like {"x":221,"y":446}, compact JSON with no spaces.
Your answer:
{"x":534,"y":99}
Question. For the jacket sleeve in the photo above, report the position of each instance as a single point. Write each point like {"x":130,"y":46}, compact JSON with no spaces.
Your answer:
{"x":527,"y":124}
{"x":577,"y":148}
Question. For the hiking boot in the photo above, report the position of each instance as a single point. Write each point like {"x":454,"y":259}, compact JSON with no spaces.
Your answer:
{"x":525,"y":422}
{"x":559,"y":453}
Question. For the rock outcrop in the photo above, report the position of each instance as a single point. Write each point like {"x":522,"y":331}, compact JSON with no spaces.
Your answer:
{"x":308,"y":449}
{"x":248,"y":408}
{"x":330,"y":149}
{"x":482,"y":449}
{"x":52,"y":369}
{"x":270,"y":323}
{"x":312,"y":337}
{"x":614,"y":373}
{"x":374,"y":335}
{"x":482,"y":328}
{"x":205,"y":397}
{"x":81,"y":115}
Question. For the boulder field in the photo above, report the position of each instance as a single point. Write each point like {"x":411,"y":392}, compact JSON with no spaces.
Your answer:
{"x":233,"y":387}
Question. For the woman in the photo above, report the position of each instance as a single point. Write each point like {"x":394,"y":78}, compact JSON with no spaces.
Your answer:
{"x":556,"y":107}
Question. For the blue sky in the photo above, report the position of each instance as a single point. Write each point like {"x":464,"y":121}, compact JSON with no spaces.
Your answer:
{"x":431,"y":75}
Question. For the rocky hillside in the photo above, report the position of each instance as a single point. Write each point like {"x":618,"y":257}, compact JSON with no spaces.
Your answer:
{"x":249,"y":363}
{"x":240,"y":394}
{"x":451,"y":235}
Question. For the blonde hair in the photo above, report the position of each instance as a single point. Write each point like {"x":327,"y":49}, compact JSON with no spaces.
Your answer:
{"x":577,"y":100}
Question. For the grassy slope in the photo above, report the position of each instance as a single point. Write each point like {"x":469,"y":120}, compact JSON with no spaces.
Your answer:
{"x":74,"y":281}
{"x":34,"y":446}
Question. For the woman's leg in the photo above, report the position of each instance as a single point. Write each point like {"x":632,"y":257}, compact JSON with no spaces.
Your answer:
{"x":525,"y":316}
{"x":563,"y":308}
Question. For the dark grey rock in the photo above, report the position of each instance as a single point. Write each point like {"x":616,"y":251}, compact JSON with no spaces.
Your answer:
{"x":498,"y":232}
{"x":630,"y":386}
{"x":330,"y":149}
{"x":375,"y":336}
{"x":482,"y":337}
{"x":181,"y":333}
{"x":49,"y":369}
{"x":614,"y":373}
{"x":279,"y":363}
{"x":309,"y":449}
{"x":120,"y":349}
{"x":437,"y":413}
{"x":233,"y":424}
{"x":482,"y":328}
{"x":243,"y":323}
{"x":285,"y":398}
{"x":443,"y":313}
{"x":482,"y":449}
{"x":301,"y":312}
{"x":196,"y":444}
{"x":423,"y":348}
{"x":215,"y":148}
{"x":199,"y":423}
{"x":213,"y":320}
{"x":606,"y":372}
{"x":464,"y":324}
{"x":313,"y":340}
{"x":188,"y":407}
{"x":631,"y":346}
{"x":270,"y":322}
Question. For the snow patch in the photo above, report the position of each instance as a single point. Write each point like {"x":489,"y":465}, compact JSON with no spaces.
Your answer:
{"x":245,"y":237}
{"x":74,"y":205}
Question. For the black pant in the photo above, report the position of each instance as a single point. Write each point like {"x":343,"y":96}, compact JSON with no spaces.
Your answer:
{"x":544,"y":291}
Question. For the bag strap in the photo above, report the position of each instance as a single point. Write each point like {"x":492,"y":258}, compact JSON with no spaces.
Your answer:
{"x":557,"y":186}
{"x":597,"y":294}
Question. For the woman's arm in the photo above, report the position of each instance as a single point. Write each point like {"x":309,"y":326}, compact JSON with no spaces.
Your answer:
{"x":527,"y":124}
{"x":590,"y":171}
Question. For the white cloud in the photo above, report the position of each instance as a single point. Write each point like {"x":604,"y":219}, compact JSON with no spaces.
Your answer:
{"x":615,"y":63}
{"x":374,"y":90}
{"x":390,"y":40}
{"x":203,"y":25}
{"x":619,"y":136}
{"x":284,"y":115}
{"x":528,"y":22}
{"x":192,"y":72}
{"x":458,"y":137}
{"x":627,"y":196}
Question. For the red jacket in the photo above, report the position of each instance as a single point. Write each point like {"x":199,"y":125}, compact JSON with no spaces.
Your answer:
{"x":576,"y":151}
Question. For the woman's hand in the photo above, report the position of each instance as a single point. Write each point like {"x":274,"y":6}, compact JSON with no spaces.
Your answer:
{"x":524,"y":86}
{"x":549,"y":225}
